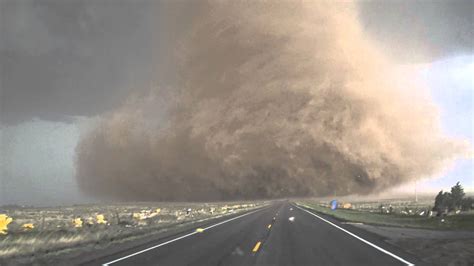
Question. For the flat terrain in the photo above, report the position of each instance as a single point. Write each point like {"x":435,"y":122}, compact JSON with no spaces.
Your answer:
{"x":437,"y":247}
{"x":258,"y":233}
{"x":447,"y":240}
{"x":404,"y":214}
{"x":266,"y":236}
{"x":70,"y":231}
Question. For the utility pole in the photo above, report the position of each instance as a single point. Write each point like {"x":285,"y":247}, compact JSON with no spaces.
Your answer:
{"x":416,"y":192}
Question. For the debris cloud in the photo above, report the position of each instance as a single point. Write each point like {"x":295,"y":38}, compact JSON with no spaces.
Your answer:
{"x":269,"y":99}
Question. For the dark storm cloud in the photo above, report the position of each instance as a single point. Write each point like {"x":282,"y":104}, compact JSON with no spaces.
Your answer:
{"x":68,"y":58}
{"x":255,"y":99}
{"x":420,"y":30}
{"x":61,"y":58}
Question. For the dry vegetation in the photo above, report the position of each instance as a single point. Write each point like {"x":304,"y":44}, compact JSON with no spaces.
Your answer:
{"x":34,"y":232}
{"x":409,"y":225}
{"x":394,"y":212}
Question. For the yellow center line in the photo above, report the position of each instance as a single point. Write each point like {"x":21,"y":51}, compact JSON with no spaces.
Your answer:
{"x":257,"y":246}
{"x":269,"y":226}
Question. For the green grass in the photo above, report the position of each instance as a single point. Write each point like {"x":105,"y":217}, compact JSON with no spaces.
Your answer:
{"x":452,"y":222}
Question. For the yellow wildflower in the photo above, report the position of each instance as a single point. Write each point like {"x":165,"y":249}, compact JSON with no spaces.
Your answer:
{"x":4,"y":221}
{"x":101,"y":219}
{"x":77,"y":222}
{"x":28,"y":226}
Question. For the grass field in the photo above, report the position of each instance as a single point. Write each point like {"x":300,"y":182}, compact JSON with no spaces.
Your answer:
{"x":61,"y":229}
{"x":404,"y":214}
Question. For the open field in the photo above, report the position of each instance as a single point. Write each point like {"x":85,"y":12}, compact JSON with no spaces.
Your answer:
{"x":395,"y":212}
{"x":37,"y":232}
{"x":45,"y":235}
{"x":410,"y":225}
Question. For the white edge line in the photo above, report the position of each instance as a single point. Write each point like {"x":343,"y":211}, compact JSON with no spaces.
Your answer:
{"x":360,"y":238}
{"x":178,"y":238}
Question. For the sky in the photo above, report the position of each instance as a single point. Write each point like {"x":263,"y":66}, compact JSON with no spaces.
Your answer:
{"x":63,"y":63}
{"x":451,"y":81}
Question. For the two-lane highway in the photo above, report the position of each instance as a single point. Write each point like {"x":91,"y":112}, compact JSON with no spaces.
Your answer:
{"x":265,"y":237}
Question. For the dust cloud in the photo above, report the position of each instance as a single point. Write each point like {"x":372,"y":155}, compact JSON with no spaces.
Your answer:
{"x":269,"y":99}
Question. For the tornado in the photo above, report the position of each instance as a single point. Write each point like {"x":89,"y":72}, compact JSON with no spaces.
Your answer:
{"x":268,"y":99}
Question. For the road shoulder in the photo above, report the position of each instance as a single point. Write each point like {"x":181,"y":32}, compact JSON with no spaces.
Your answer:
{"x":375,"y":239}
{"x":433,"y":246}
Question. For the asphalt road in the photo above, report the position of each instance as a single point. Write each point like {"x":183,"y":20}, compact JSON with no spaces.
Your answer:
{"x":267,"y":237}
